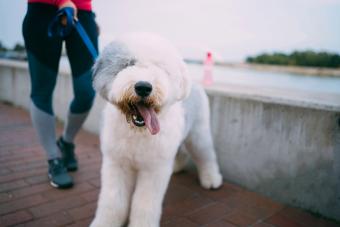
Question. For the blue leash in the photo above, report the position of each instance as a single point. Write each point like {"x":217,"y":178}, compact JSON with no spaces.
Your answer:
{"x":56,"y":29}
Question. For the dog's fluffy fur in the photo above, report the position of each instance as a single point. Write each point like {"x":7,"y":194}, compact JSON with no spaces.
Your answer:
{"x":139,"y":160}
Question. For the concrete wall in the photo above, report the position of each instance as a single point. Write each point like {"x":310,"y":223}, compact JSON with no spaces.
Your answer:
{"x":279,"y":143}
{"x":281,"y":151}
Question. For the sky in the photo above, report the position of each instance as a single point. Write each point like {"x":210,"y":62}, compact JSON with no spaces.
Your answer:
{"x":231,"y":29}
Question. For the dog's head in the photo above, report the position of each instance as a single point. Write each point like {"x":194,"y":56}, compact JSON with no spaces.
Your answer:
{"x":142,"y":74}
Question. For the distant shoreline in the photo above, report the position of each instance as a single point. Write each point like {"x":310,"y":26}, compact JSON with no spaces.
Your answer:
{"x":310,"y":71}
{"x":301,"y":70}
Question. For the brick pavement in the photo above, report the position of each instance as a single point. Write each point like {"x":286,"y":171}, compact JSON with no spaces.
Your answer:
{"x":26,"y":199}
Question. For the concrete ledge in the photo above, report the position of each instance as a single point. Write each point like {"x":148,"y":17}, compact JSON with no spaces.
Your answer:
{"x":306,"y":99}
{"x":284,"y":144}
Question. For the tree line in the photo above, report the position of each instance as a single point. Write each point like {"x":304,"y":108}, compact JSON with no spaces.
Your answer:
{"x":298,"y":58}
{"x":17,"y":47}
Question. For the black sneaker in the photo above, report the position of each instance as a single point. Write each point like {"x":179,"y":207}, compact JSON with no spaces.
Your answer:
{"x":69,"y":157}
{"x":58,"y":175}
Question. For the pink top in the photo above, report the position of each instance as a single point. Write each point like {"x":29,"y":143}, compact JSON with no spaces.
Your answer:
{"x":80,"y":4}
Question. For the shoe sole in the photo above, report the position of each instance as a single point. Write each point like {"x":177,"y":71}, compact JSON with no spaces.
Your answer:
{"x":59,"y":186}
{"x":72,"y":169}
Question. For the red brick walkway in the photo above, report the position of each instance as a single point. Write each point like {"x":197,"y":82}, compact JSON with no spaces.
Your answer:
{"x":26,"y":199}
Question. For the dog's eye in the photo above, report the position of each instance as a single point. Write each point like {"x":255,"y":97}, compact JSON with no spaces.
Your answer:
{"x":131,"y":62}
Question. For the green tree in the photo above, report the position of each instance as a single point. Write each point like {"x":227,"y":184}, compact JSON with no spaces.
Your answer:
{"x":2,"y":47}
{"x":298,"y":58}
{"x":19,"y":47}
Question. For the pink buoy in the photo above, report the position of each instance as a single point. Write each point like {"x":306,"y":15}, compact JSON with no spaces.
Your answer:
{"x":207,"y":68}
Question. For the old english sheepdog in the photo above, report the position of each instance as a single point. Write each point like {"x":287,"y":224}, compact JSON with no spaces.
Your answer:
{"x":154,"y":116}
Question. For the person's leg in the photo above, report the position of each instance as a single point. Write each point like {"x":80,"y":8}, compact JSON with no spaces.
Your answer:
{"x":81,"y":64}
{"x":43,"y":59}
{"x":78,"y":111}
{"x":80,"y":105}
{"x":43,"y":81}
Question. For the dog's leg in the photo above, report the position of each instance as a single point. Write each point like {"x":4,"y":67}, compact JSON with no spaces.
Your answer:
{"x":199,"y":144}
{"x":181,"y":160}
{"x":201,"y":149}
{"x":147,"y":200}
{"x":115,"y":195}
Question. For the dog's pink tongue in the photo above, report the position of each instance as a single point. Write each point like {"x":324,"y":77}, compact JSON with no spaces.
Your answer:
{"x":150,"y":118}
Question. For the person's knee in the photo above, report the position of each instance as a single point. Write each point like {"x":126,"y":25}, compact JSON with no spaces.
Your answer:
{"x":83,"y":101}
{"x":43,"y":102}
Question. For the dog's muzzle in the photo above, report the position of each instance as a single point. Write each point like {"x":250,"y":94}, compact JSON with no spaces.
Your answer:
{"x":143,"y":112}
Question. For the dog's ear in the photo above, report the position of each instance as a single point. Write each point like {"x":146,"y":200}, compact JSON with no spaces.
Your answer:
{"x":114,"y":58}
{"x":98,"y":82}
{"x":96,"y":67}
{"x":185,"y":82}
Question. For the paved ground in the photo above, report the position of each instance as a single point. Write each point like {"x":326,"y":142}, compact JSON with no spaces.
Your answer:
{"x":26,"y":199}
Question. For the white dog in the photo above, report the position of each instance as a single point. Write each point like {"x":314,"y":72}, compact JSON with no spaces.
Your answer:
{"x":152,"y":114}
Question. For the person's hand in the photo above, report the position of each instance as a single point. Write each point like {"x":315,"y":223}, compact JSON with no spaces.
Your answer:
{"x":68,"y":4}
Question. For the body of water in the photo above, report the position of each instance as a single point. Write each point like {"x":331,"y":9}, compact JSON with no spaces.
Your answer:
{"x":248,"y":77}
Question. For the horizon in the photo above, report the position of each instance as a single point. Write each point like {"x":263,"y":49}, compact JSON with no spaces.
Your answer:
{"x":248,"y":28}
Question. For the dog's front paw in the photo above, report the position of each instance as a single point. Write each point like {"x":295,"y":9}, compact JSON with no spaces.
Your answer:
{"x":210,"y":177}
{"x":103,"y":223}
{"x":96,"y":223}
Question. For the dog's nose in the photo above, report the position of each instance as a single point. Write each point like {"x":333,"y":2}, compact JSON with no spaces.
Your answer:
{"x":143,"y":88}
